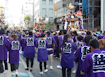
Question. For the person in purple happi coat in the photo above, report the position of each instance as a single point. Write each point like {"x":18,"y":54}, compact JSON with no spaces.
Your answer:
{"x":78,"y":44}
{"x":102,"y":45}
{"x":4,"y":45}
{"x":22,"y":43}
{"x":42,"y":55}
{"x":56,"y":50}
{"x":74,"y":34}
{"x":14,"y":48}
{"x":51,"y":45}
{"x":94,"y":62}
{"x":81,"y":53}
{"x":5,"y":56}
{"x":29,"y":50}
{"x":67,"y":61}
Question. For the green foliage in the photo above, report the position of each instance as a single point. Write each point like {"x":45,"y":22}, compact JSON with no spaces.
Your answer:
{"x":45,"y":15}
{"x":6,"y":26}
{"x":49,"y":25}
{"x":27,"y":18}
{"x":98,"y":27}
{"x":31,"y":27}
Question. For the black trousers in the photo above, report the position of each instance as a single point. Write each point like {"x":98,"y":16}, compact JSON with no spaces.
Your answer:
{"x":1,"y":67}
{"x":14,"y":67}
{"x":6,"y":64}
{"x":40,"y":66}
{"x":64,"y":72}
{"x":56,"y":53}
{"x":31,"y":60}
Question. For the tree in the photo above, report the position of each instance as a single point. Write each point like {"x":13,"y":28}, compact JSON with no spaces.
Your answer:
{"x":27,"y":18}
{"x":6,"y":26}
{"x":49,"y":25}
{"x":31,"y":27}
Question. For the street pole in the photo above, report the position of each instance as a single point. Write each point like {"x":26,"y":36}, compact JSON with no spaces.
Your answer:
{"x":33,"y":14}
{"x":102,"y":15}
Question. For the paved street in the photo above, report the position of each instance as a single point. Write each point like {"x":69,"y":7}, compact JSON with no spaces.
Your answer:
{"x":51,"y":73}
{"x":22,"y":73}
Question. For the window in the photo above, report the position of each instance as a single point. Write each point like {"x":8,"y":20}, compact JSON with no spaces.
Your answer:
{"x":43,"y":10}
{"x":51,"y":10}
{"x":43,"y":2}
{"x":51,"y":2}
{"x":51,"y":18}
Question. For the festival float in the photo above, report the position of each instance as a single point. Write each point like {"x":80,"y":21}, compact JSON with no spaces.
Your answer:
{"x":40,"y":24}
{"x":72,"y":22}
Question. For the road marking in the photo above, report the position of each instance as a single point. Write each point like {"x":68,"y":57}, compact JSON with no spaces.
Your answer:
{"x":29,"y":73}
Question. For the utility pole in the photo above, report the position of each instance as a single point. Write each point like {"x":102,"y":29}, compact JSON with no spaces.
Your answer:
{"x":102,"y":15}
{"x":33,"y":14}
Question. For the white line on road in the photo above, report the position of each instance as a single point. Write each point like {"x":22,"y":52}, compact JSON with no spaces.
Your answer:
{"x":29,"y":73}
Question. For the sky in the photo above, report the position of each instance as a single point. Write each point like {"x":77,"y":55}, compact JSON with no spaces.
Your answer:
{"x":14,"y":11}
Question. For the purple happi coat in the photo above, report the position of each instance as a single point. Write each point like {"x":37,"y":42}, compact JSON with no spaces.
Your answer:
{"x":6,"y":49}
{"x":36,"y":36}
{"x":20,"y":37}
{"x":4,"y":45}
{"x":29,"y":49}
{"x":57,"y":42}
{"x":67,"y":60}
{"x":14,"y":52}
{"x":50,"y":41}
{"x":74,"y":38}
{"x":60,"y":41}
{"x":104,"y":37}
{"x":100,"y":36}
{"x":80,"y":56}
{"x":22,"y":43}
{"x":102,"y":50}
{"x":42,"y":55}
{"x":79,"y":44}
{"x":94,"y":64}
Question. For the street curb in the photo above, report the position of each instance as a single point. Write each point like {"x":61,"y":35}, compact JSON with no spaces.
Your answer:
{"x":28,"y":72}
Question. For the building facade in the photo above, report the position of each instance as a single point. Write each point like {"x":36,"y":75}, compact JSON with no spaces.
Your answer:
{"x":2,"y":14}
{"x":27,"y":10}
{"x":91,"y":11}
{"x":61,"y":10}
{"x":44,"y":8}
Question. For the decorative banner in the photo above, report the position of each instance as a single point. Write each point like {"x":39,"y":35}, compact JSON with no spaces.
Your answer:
{"x":79,"y":13}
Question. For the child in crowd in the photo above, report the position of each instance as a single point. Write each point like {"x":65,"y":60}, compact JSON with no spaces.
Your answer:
{"x":81,"y":53}
{"x":14,"y":54}
{"x":67,"y":61}
{"x":78,"y":44}
{"x":51,"y":45}
{"x":29,"y":50}
{"x":74,"y":34}
{"x":4,"y":46}
{"x":42,"y":55}
{"x":102,"y":45}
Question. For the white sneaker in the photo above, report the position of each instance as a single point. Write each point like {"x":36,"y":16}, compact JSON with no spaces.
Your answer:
{"x":13,"y":74}
{"x":4,"y":72}
{"x":46,"y":70}
{"x":16,"y":74}
{"x":51,"y":67}
{"x":41,"y":73}
{"x":59,"y":67}
{"x":20,"y":52}
{"x":74,"y":71}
